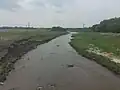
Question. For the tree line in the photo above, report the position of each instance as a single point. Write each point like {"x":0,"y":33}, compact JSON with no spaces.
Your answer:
{"x":110,"y":25}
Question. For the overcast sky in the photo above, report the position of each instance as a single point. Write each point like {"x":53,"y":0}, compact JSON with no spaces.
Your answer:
{"x":66,"y":13}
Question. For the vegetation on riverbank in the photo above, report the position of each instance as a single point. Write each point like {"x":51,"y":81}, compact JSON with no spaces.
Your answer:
{"x":20,"y":42}
{"x":110,"y":25}
{"x":95,"y":46}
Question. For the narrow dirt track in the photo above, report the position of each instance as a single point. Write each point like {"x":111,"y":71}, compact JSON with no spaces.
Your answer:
{"x":47,"y":68}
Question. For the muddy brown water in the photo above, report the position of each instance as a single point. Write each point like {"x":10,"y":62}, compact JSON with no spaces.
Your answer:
{"x":46,"y":67}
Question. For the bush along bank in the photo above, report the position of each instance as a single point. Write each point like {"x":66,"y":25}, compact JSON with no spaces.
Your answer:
{"x":104,"y":61}
{"x":16,"y":50}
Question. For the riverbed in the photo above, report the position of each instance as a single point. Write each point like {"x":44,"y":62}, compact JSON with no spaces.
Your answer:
{"x":47,"y":67}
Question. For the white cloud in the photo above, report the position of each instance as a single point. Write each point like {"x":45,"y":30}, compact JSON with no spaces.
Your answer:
{"x":68,"y":13}
{"x":9,"y":4}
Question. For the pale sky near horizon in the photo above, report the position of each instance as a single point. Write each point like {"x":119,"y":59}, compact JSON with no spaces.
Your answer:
{"x":48,"y":13}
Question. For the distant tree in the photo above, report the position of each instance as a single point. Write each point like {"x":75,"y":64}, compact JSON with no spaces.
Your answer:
{"x":58,"y":28}
{"x":110,"y":25}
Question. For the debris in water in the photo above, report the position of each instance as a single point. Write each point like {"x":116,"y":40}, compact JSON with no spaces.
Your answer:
{"x":14,"y":88}
{"x":1,"y":83}
{"x":57,"y":45}
{"x":28,"y":58}
{"x":41,"y":58}
{"x":52,"y":86}
{"x":70,"y":65}
{"x":39,"y":88}
{"x":52,"y":53}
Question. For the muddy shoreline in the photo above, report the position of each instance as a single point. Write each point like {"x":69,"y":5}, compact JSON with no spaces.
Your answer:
{"x":16,"y":50}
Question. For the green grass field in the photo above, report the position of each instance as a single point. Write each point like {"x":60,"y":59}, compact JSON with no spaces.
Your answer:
{"x":107,"y":42}
{"x":6,"y":38}
{"x":17,"y":34}
{"x":103,"y":42}
{"x":9,"y":37}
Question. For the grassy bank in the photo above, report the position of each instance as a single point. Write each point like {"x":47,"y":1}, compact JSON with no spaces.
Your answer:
{"x":17,"y":43}
{"x":93,"y":45}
